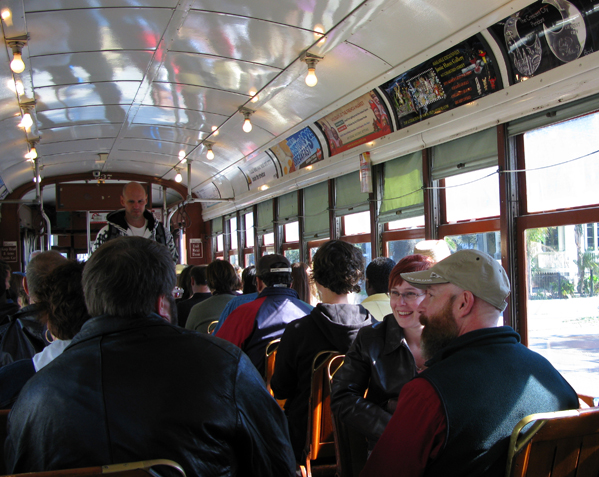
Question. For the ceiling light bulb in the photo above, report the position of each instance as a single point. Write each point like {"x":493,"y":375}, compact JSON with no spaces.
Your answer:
{"x":311,"y":78}
{"x":210,"y":154}
{"x":6,"y":14}
{"x":247,"y":125}
{"x":26,"y":122}
{"x":32,"y":154}
{"x":17,"y":65}
{"x":181,"y":154}
{"x":178,"y":177}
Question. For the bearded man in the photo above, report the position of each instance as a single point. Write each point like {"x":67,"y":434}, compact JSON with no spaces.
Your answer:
{"x":456,"y":417}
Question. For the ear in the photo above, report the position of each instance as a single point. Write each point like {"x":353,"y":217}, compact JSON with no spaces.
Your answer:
{"x":259,"y":285}
{"x":464,"y":303}
{"x":193,"y":282}
{"x":25,"y":286}
{"x":122,"y":201}
{"x":162,"y":308}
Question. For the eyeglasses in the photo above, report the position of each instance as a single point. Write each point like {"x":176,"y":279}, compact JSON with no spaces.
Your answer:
{"x":408,"y":296}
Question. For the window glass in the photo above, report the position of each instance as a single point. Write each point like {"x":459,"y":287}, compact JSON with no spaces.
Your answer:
{"x":398,"y":249}
{"x":472,"y":195}
{"x":489,"y":242}
{"x":355,"y":224}
{"x":357,"y":298}
{"x":82,"y":257}
{"x":410,"y":223}
{"x":563,"y":302}
{"x":249,"y":230}
{"x":292,"y":232}
{"x":249,"y":259}
{"x":562,"y":164}
{"x":219,"y":243}
{"x":292,"y":255}
{"x":233,"y":260}
{"x":269,"y":239}
{"x":233,"y":224}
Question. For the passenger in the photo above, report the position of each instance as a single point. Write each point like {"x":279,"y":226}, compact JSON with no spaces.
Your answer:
{"x":109,"y":397}
{"x":64,"y":308}
{"x":250,"y":276}
{"x":301,"y":283}
{"x":25,"y":334}
{"x":253,"y":325}
{"x":436,"y":249}
{"x":18,"y":290}
{"x":7,"y":306}
{"x":377,"y":287}
{"x":184,"y":282}
{"x":222,"y":280}
{"x":332,"y":325}
{"x":248,"y":280}
{"x":200,"y":292}
{"x":456,"y":417}
{"x":135,"y":220}
{"x":382,"y":359}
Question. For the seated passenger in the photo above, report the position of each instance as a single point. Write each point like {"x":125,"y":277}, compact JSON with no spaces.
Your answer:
{"x":132,"y":386}
{"x":64,"y":309}
{"x":331,"y":326}
{"x":248,"y":278}
{"x":301,"y":283}
{"x":455,"y":418}
{"x":382,"y":359}
{"x":377,"y":287}
{"x":253,"y":325}
{"x":200,"y":292}
{"x":222,"y":281}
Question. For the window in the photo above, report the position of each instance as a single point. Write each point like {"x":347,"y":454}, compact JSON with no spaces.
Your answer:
{"x":473,"y":195}
{"x":292,"y":232}
{"x":249,"y":230}
{"x":488,"y":242}
{"x":355,"y":224}
{"x":220,"y":243}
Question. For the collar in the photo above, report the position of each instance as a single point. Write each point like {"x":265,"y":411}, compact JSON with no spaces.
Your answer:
{"x":278,"y":291}
{"x":394,"y":335}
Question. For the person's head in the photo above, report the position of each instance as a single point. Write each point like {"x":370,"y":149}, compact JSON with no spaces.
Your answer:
{"x":338,"y":266}
{"x":134,"y":199}
{"x":5,"y":271}
{"x":128,"y":277}
{"x":405,"y":298}
{"x":18,"y":291}
{"x":65,"y":303}
{"x":184,"y":281}
{"x":248,"y":279}
{"x":436,"y":249}
{"x":38,"y":269}
{"x":377,"y":275}
{"x":221,"y":277}
{"x":274,"y":271}
{"x":197,"y":275}
{"x":300,"y":281}
{"x":465,"y":292}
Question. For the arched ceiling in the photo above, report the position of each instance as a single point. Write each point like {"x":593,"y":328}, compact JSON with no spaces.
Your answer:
{"x":132,"y":86}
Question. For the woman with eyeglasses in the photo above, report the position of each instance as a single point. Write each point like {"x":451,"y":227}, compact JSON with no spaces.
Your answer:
{"x":381,"y":360}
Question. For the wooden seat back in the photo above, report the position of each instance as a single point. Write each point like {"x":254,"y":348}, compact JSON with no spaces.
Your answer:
{"x":555,"y":444}
{"x":269,"y":367}
{"x":320,"y":442}
{"x":129,"y":469}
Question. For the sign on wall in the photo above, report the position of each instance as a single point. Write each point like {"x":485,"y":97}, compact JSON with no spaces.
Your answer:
{"x":299,"y":150}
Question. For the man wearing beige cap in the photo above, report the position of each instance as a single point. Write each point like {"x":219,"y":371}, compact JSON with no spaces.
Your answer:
{"x":455,"y":418}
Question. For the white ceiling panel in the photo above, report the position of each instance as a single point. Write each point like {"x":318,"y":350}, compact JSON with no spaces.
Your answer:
{"x":80,"y":95}
{"x":73,"y":133}
{"x":88,"y":114}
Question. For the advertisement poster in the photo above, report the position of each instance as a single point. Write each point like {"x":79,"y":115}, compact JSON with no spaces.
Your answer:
{"x":455,"y":77}
{"x":259,"y":171}
{"x":358,"y":122}
{"x":3,"y":189}
{"x":298,"y":151}
{"x":547,"y":34}
{"x":209,"y":191}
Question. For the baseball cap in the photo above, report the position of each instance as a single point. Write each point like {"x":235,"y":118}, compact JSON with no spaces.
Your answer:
{"x":272,"y":264}
{"x":471,"y":270}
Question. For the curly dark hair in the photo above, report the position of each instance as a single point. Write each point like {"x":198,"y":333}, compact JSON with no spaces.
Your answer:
{"x":66,"y":305}
{"x":338,"y":266}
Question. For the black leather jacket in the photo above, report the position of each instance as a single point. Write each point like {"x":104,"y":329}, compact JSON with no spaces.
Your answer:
{"x":130,"y":389}
{"x":378,"y":361}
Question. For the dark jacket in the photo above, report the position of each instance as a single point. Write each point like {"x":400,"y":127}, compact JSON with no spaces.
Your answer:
{"x":381,"y":362}
{"x":23,"y":336}
{"x":487,"y":382}
{"x":7,"y":309}
{"x":185,"y":306}
{"x":131,"y":389}
{"x":117,"y":227}
{"x":326,"y":328}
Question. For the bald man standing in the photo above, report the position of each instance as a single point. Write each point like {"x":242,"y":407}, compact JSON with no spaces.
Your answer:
{"x":134,"y":220}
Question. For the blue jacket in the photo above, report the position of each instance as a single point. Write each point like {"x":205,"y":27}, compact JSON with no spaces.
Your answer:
{"x":253,"y":325}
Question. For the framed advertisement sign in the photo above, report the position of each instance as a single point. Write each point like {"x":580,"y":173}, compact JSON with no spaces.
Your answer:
{"x":358,"y":122}
{"x":455,"y":77}
{"x":547,"y":34}
{"x":298,"y":151}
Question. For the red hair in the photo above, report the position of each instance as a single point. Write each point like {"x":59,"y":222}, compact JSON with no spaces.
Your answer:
{"x":410,"y":263}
